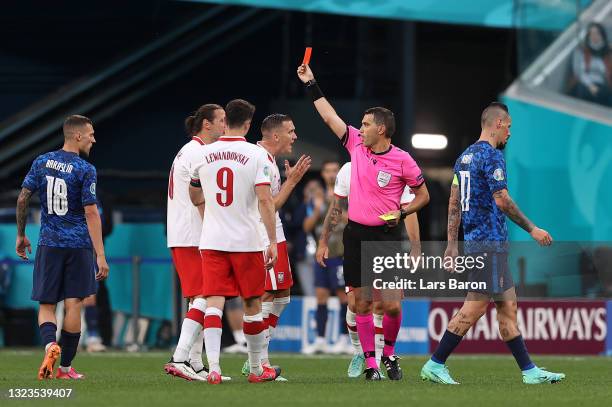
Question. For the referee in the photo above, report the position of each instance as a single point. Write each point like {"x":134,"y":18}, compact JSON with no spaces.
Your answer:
{"x":380,"y":172}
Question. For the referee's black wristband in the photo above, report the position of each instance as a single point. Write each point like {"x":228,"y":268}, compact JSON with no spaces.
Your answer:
{"x":403,"y":214}
{"x":312,"y":87}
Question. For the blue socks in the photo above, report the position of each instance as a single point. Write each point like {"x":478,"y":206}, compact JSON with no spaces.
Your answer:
{"x":321,"y":317}
{"x":48,"y":331}
{"x":519,"y":351}
{"x":91,"y":319}
{"x":69,"y":343}
{"x":447,"y":344}
{"x":450,"y":341}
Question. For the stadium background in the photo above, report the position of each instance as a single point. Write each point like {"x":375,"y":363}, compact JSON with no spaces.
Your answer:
{"x":139,"y":68}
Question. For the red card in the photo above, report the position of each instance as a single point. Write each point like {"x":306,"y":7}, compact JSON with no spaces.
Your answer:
{"x":307,"y":54}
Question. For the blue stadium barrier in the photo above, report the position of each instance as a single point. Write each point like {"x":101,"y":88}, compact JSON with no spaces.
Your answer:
{"x":297,"y":328}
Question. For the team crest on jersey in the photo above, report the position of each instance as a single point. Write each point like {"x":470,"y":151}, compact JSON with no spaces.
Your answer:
{"x":498,"y":174}
{"x":281,"y":277}
{"x":466,"y":159}
{"x":92,"y":188}
{"x":383,"y":179}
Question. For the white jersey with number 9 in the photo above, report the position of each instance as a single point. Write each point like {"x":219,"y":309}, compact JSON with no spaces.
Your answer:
{"x":230,"y":171}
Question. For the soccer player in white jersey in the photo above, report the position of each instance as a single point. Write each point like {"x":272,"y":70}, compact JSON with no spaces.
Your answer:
{"x":278,"y":136}
{"x":333,"y":218}
{"x":233,"y":183}
{"x":184,"y":227}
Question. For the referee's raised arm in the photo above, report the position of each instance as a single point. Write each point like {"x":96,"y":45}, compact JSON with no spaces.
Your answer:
{"x":325,"y":109}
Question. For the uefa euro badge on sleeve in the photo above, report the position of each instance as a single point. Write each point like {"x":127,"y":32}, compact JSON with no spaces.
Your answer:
{"x":383,"y":178}
{"x":466,"y":159}
{"x":498,"y":174}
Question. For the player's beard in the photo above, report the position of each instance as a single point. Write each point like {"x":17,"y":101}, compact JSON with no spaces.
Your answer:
{"x":502,"y":145}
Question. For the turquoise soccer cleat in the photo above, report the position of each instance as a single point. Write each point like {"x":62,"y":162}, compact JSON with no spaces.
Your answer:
{"x":356,"y":366}
{"x":246,"y":368}
{"x":436,"y":373}
{"x":536,"y":375}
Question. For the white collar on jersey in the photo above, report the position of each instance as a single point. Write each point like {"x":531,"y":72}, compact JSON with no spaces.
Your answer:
{"x":231,"y":138}
{"x":270,"y":156}
{"x":199,"y":140}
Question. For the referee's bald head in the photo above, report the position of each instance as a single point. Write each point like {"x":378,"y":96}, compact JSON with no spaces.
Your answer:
{"x":492,"y":113}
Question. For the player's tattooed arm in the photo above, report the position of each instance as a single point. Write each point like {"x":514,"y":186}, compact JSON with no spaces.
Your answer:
{"x":333,"y":217}
{"x":412,"y":228}
{"x":454,"y":214}
{"x":23,"y":201}
{"x":511,"y":209}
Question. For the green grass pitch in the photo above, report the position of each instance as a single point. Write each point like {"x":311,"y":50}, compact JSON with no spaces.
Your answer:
{"x":124,"y":379}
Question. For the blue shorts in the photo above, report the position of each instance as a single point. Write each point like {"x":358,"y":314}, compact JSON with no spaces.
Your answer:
{"x":495,"y":274}
{"x":62,"y":272}
{"x":330,"y":277}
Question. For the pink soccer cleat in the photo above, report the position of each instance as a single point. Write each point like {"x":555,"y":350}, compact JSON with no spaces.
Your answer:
{"x":72,"y":374}
{"x":182,"y":370}
{"x":214,"y":378}
{"x":269,"y":374}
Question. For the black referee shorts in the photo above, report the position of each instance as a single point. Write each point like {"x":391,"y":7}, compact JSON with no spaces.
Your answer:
{"x":361,"y":244}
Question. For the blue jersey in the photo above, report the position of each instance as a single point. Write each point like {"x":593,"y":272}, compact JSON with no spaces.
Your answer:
{"x":479,"y":172}
{"x":66,"y":184}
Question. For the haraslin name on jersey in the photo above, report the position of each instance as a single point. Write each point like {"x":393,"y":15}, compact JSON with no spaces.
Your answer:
{"x":59,"y":166}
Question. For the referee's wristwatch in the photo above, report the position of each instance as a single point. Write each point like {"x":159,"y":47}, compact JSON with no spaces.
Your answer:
{"x":403,"y":213}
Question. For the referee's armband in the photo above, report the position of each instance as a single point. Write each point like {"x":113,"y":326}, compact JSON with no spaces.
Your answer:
{"x":195,"y":183}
